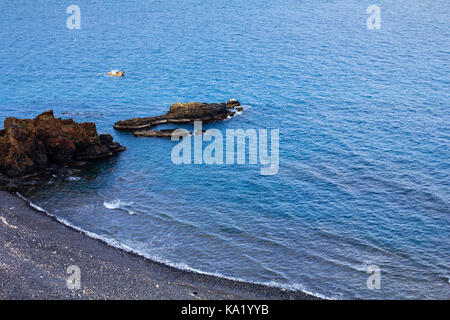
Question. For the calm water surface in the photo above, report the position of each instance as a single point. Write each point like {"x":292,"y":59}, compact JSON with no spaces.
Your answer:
{"x":364,"y":134}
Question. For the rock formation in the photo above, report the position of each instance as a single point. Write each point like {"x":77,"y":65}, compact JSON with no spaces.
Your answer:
{"x":180,"y":113}
{"x":31,"y":146}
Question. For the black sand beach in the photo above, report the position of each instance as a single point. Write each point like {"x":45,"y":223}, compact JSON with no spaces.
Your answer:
{"x":36,"y":251}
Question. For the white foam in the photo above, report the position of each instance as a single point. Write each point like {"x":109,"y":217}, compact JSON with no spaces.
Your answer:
{"x":116,"y":204}
{"x":73,"y":178}
{"x":181,"y":266}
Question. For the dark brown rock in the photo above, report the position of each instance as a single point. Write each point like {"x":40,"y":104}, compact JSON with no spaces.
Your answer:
{"x":181,"y":113}
{"x":106,"y":139}
{"x":165,"y":133}
{"x":4,"y":179}
{"x":233,"y":103}
{"x":30,"y":146}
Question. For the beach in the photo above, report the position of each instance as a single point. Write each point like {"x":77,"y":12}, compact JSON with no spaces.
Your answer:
{"x":36,"y":251}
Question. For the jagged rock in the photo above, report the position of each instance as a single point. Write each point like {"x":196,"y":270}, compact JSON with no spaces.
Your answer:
{"x":106,"y":139}
{"x":233,"y":103}
{"x":31,"y":146}
{"x":182,"y":113}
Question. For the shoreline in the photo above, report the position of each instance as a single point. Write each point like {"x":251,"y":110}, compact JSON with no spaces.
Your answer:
{"x":38,"y":248}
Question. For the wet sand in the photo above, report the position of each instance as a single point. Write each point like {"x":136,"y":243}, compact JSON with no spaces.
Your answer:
{"x":36,"y":251}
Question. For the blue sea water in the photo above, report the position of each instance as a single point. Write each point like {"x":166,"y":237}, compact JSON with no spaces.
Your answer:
{"x":364,"y":115}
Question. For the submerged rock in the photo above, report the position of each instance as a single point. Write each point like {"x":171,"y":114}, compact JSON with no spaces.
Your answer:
{"x":182,"y":113}
{"x":31,"y":146}
{"x":165,"y":133}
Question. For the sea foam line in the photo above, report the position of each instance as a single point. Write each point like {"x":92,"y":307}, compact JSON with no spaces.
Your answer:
{"x":180,"y":266}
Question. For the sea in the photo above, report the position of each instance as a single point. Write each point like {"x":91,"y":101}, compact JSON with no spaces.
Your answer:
{"x":359,"y":91}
